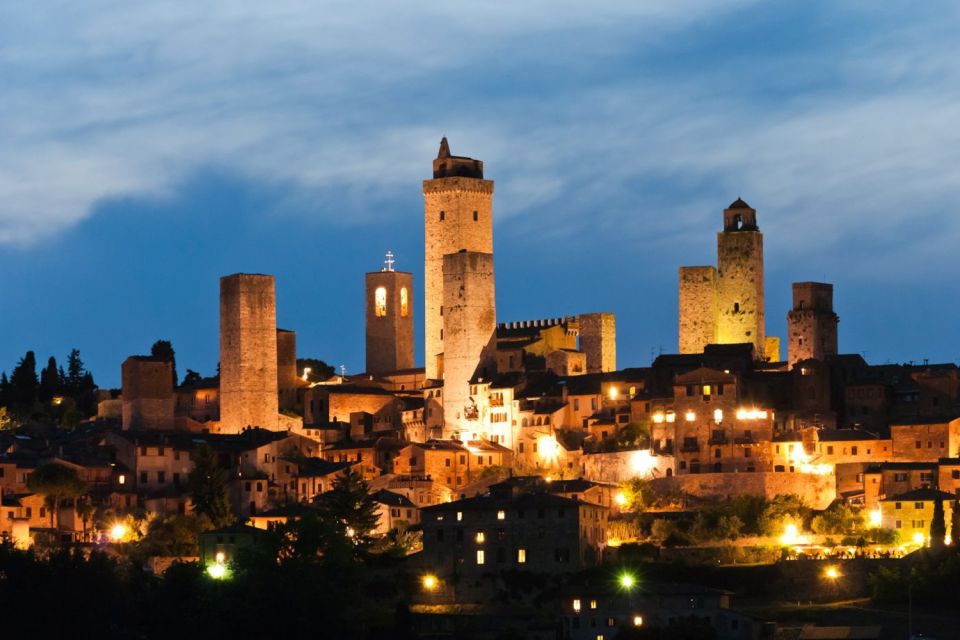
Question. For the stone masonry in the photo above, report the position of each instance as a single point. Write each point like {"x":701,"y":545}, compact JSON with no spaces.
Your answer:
{"x":248,"y":353}
{"x":148,"y":399}
{"x":812,"y":323}
{"x":287,"y":368}
{"x":458,"y":210}
{"x":598,"y":340}
{"x":389,"y":318}
{"x":698,"y":308}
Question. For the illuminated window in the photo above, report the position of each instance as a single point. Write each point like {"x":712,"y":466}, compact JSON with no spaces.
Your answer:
{"x":122,"y":479}
{"x":638,"y":621}
{"x":404,"y":302}
{"x":576,"y":605}
{"x":459,"y":516}
{"x":380,"y":302}
{"x":593,"y":604}
{"x":480,"y":556}
{"x":501,"y":515}
{"x":521,"y":555}
{"x":480,"y":537}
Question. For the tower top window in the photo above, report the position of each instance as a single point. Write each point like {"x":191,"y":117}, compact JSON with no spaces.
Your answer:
{"x":380,"y":302}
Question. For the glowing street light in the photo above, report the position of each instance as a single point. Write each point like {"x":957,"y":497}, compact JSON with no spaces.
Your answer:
{"x":118,"y":531}
{"x":217,"y":571}
{"x":430,"y":582}
{"x":626,"y":581}
{"x":642,"y":462}
{"x":876,"y":518}
{"x":831,"y":573}
{"x":621,"y":499}
{"x":791,"y":535}
{"x":918,"y":538}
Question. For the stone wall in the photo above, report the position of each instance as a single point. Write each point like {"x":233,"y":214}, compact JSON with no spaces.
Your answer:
{"x":458,"y":214}
{"x":598,"y":341}
{"x":148,"y":400}
{"x":469,"y":331}
{"x":817,"y":491}
{"x":248,"y":352}
{"x":389,"y":345}
{"x":698,"y":308}
{"x":812,"y":323}
{"x":620,"y":466}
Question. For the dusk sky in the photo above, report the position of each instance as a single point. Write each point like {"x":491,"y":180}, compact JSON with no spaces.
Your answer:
{"x":146,"y":149}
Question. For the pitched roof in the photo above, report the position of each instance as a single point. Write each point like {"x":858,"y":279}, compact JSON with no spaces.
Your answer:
{"x":920,"y":495}
{"x":390,"y":498}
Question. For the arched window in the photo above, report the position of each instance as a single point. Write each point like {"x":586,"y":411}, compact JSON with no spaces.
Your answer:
{"x":380,"y":302}
{"x":404,"y":302}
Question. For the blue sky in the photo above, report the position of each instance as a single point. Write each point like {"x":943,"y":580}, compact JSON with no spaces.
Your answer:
{"x":148,"y":148}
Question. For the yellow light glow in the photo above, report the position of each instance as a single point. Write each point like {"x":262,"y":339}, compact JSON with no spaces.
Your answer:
{"x":741,"y":414}
{"x":306,"y":373}
{"x":621,"y":499}
{"x":690,"y":416}
{"x":614,"y":542}
{"x":576,"y":605}
{"x":217,"y":571}
{"x":351,"y":532}
{"x":121,"y":479}
{"x":752,"y":414}
{"x":658,"y":417}
{"x":220,"y":557}
{"x":548,"y":448}
{"x":548,"y":479}
{"x":831,"y":573}
{"x":613,"y":393}
{"x":671,"y":416}
{"x":57,"y":400}
{"x":718,"y":415}
{"x":918,"y":538}
{"x":481,"y":537}
{"x":626,"y":581}
{"x":641,"y":462}
{"x":638,"y":621}
{"x":118,"y":531}
{"x":948,"y":539}
{"x":876,"y":517}
{"x":501,"y":515}
{"x":429,"y":582}
{"x":791,"y":535}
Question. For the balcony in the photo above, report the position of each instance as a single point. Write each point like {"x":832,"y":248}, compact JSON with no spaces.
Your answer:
{"x":719,"y":439}
{"x":690,"y":447}
{"x":666,"y":449}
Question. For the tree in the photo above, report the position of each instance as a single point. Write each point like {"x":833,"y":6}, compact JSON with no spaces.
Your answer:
{"x":319,"y":370}
{"x":24,"y":385}
{"x":208,"y":488}
{"x":163,"y":349}
{"x":191,"y":378}
{"x":175,"y":535}
{"x":78,"y":384}
{"x":350,"y":504}
{"x":56,"y":483}
{"x":50,"y":383}
{"x":938,"y":526}
{"x":85,"y":511}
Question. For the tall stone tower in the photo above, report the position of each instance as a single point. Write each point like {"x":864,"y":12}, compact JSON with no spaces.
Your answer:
{"x":812,"y":323}
{"x":148,"y":400}
{"x":469,"y":336}
{"x":458,"y":215}
{"x":598,"y":341}
{"x":248,"y":353}
{"x":389,"y":319}
{"x":287,"y":368}
{"x":740,"y":278}
{"x":724,"y":305}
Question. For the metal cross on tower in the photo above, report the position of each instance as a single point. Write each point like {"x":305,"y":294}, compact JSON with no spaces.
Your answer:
{"x":389,"y":261}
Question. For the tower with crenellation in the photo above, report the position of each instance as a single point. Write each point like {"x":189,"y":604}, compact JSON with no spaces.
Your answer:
{"x":812,"y":323}
{"x":724,"y":304}
{"x":458,"y":216}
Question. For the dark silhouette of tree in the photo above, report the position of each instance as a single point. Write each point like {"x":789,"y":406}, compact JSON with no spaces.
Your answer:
{"x":163,"y":349}
{"x":938,"y":526}
{"x":24,"y":385}
{"x":319,"y":370}
{"x":191,"y":378}
{"x":50,"y":383}
{"x":955,"y":526}
{"x":350,"y":504}
{"x":208,"y":488}
{"x":56,"y":483}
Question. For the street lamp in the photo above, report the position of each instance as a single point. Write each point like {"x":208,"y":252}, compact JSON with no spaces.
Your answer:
{"x":430,"y":582}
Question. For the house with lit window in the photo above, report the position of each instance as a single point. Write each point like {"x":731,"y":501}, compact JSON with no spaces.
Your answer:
{"x":510,"y":528}
{"x":911,"y":513}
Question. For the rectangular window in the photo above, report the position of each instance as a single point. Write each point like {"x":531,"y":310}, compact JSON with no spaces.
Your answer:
{"x":480,"y":556}
{"x":143,"y":477}
{"x":521,"y":556}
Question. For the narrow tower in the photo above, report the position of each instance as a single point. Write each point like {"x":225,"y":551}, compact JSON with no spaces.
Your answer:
{"x":469,"y":334}
{"x":740,"y":279}
{"x":458,"y":215}
{"x":248,"y":353}
{"x":812,"y":323}
{"x":287,"y":368}
{"x":598,"y":340}
{"x":389,"y":319}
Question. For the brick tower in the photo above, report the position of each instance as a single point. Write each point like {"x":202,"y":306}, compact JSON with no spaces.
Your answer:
{"x":724,"y":305}
{"x":248,"y":352}
{"x":812,"y":323}
{"x":389,"y":319}
{"x":458,"y":214}
{"x":469,"y":335}
{"x":598,"y":340}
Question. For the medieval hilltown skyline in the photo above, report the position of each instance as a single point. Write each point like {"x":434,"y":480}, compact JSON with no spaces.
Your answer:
{"x":503,"y":321}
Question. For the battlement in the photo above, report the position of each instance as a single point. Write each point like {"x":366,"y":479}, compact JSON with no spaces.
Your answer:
{"x":570,"y":323}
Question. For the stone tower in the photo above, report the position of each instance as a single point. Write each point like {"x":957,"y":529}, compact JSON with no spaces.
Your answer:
{"x":458,"y":215}
{"x":724,"y":305}
{"x":148,"y":400}
{"x":740,"y":279}
{"x":389,"y":319}
{"x":469,"y":337}
{"x":812,"y":323}
{"x":287,"y":382}
{"x":598,"y":341}
{"x":248,"y":353}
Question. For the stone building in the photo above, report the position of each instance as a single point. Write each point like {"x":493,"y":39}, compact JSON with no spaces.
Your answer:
{"x":469,"y":333}
{"x":598,"y":340}
{"x":458,"y":214}
{"x":389,"y":320}
{"x":248,"y":353}
{"x":725,"y":304}
{"x":287,"y":380}
{"x":148,"y":399}
{"x":812,"y":323}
